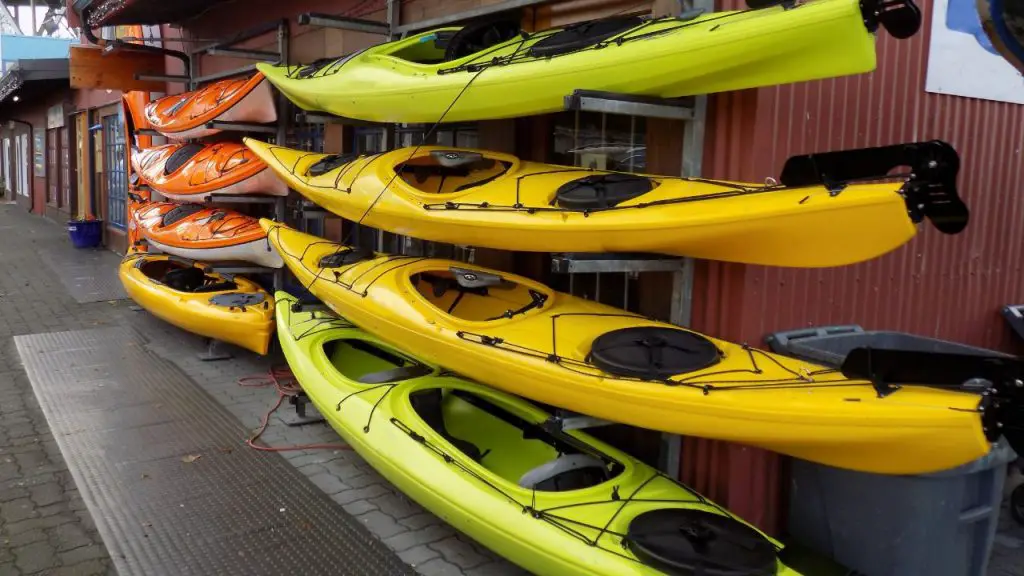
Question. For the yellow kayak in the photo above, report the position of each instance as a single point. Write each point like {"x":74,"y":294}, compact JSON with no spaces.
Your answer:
{"x":227,"y":308}
{"x":554,"y":502}
{"x":493,"y":71}
{"x":494,"y":200}
{"x":525,"y":338}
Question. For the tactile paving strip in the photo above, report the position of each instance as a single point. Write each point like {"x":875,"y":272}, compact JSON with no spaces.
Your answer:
{"x":130,"y":425}
{"x":88,"y":275}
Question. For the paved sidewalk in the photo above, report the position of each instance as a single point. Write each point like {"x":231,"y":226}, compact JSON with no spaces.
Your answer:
{"x":44,"y":527}
{"x":33,"y":299}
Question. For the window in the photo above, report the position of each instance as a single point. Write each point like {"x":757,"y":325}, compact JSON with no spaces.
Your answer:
{"x":8,"y":184}
{"x":114,"y":170}
{"x":21,"y":163}
{"x":52,"y":172}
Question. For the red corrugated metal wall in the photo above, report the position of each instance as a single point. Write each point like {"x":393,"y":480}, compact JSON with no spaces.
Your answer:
{"x":944,"y":286}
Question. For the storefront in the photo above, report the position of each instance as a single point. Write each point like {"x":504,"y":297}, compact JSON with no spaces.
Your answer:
{"x":34,"y":97}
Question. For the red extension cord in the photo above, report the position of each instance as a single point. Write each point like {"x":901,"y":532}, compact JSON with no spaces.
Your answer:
{"x":282,"y":379}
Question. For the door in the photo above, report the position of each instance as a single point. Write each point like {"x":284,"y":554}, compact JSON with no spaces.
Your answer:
{"x":114,"y":173}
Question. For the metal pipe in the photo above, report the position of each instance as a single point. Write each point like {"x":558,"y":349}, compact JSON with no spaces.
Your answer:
{"x":121,"y":44}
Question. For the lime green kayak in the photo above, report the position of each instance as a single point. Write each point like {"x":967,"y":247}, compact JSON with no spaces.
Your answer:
{"x":552,"y":501}
{"x":493,"y":71}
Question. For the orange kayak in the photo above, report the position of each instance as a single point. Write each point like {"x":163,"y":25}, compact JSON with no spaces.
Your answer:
{"x":192,"y":172}
{"x":185,"y":115}
{"x":207,"y":234}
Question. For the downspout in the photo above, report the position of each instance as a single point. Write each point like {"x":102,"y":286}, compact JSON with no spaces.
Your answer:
{"x":31,"y":164}
{"x":91,"y":37}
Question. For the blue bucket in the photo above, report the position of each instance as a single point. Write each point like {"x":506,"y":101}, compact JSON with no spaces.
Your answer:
{"x":85,"y":233}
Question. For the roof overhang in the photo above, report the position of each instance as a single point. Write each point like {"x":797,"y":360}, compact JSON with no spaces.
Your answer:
{"x":27,"y":78}
{"x":99,"y":13}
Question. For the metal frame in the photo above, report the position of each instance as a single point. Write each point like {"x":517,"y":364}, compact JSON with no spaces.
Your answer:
{"x":692,"y":111}
{"x":228,"y":48}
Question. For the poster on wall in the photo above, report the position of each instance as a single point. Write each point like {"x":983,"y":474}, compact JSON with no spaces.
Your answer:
{"x":39,"y":152}
{"x":962,"y":60}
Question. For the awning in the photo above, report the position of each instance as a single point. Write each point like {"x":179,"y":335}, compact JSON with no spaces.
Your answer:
{"x":32,"y":81}
{"x":98,"y":13}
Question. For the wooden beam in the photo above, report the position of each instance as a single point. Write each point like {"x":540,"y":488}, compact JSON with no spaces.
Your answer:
{"x":92,"y":69}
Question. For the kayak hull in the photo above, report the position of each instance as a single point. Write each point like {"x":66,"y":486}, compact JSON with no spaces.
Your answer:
{"x":748,"y":396}
{"x":223,"y":168}
{"x":185,"y":116}
{"x":250,"y":328}
{"x":759,"y":227}
{"x":715,"y":52}
{"x":258,"y":252}
{"x":471,"y":502}
{"x":205,"y":234}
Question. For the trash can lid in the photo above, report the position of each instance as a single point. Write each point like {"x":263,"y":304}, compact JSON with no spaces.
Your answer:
{"x":690,"y":542}
{"x":652,"y":353}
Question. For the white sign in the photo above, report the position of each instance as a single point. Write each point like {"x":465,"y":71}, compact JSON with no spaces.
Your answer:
{"x":961,"y":59}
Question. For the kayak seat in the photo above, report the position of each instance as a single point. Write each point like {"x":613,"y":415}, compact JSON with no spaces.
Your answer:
{"x":583,"y":35}
{"x":184,"y":279}
{"x":193,"y":280}
{"x":446,"y":171}
{"x":427,"y":405}
{"x":479,"y":36}
{"x":181,"y":156}
{"x":567,"y":472}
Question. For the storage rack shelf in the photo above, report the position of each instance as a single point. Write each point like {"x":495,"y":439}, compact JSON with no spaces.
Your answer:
{"x":233,"y":48}
{"x":691,"y":111}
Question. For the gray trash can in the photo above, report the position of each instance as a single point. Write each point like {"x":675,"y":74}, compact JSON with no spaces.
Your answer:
{"x":940,"y":524}
{"x":829,"y":345}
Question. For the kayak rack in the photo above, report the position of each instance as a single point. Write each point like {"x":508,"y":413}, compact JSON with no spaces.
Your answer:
{"x":630,"y":105}
{"x":239,"y":46}
{"x":688,"y":113}
{"x":597,"y":263}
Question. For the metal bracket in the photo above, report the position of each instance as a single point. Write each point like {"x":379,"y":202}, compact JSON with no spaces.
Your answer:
{"x":263,"y":55}
{"x":579,"y":263}
{"x":565,"y":420}
{"x":214,"y":351}
{"x":243,"y":71}
{"x":313,"y":118}
{"x":242,"y":127}
{"x":242,"y":199}
{"x":162,"y":78}
{"x":300,"y":401}
{"x":612,"y":103}
{"x":344,"y":23}
{"x":240,"y":269}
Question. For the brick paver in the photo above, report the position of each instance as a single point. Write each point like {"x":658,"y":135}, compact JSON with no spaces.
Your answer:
{"x":44,"y":526}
